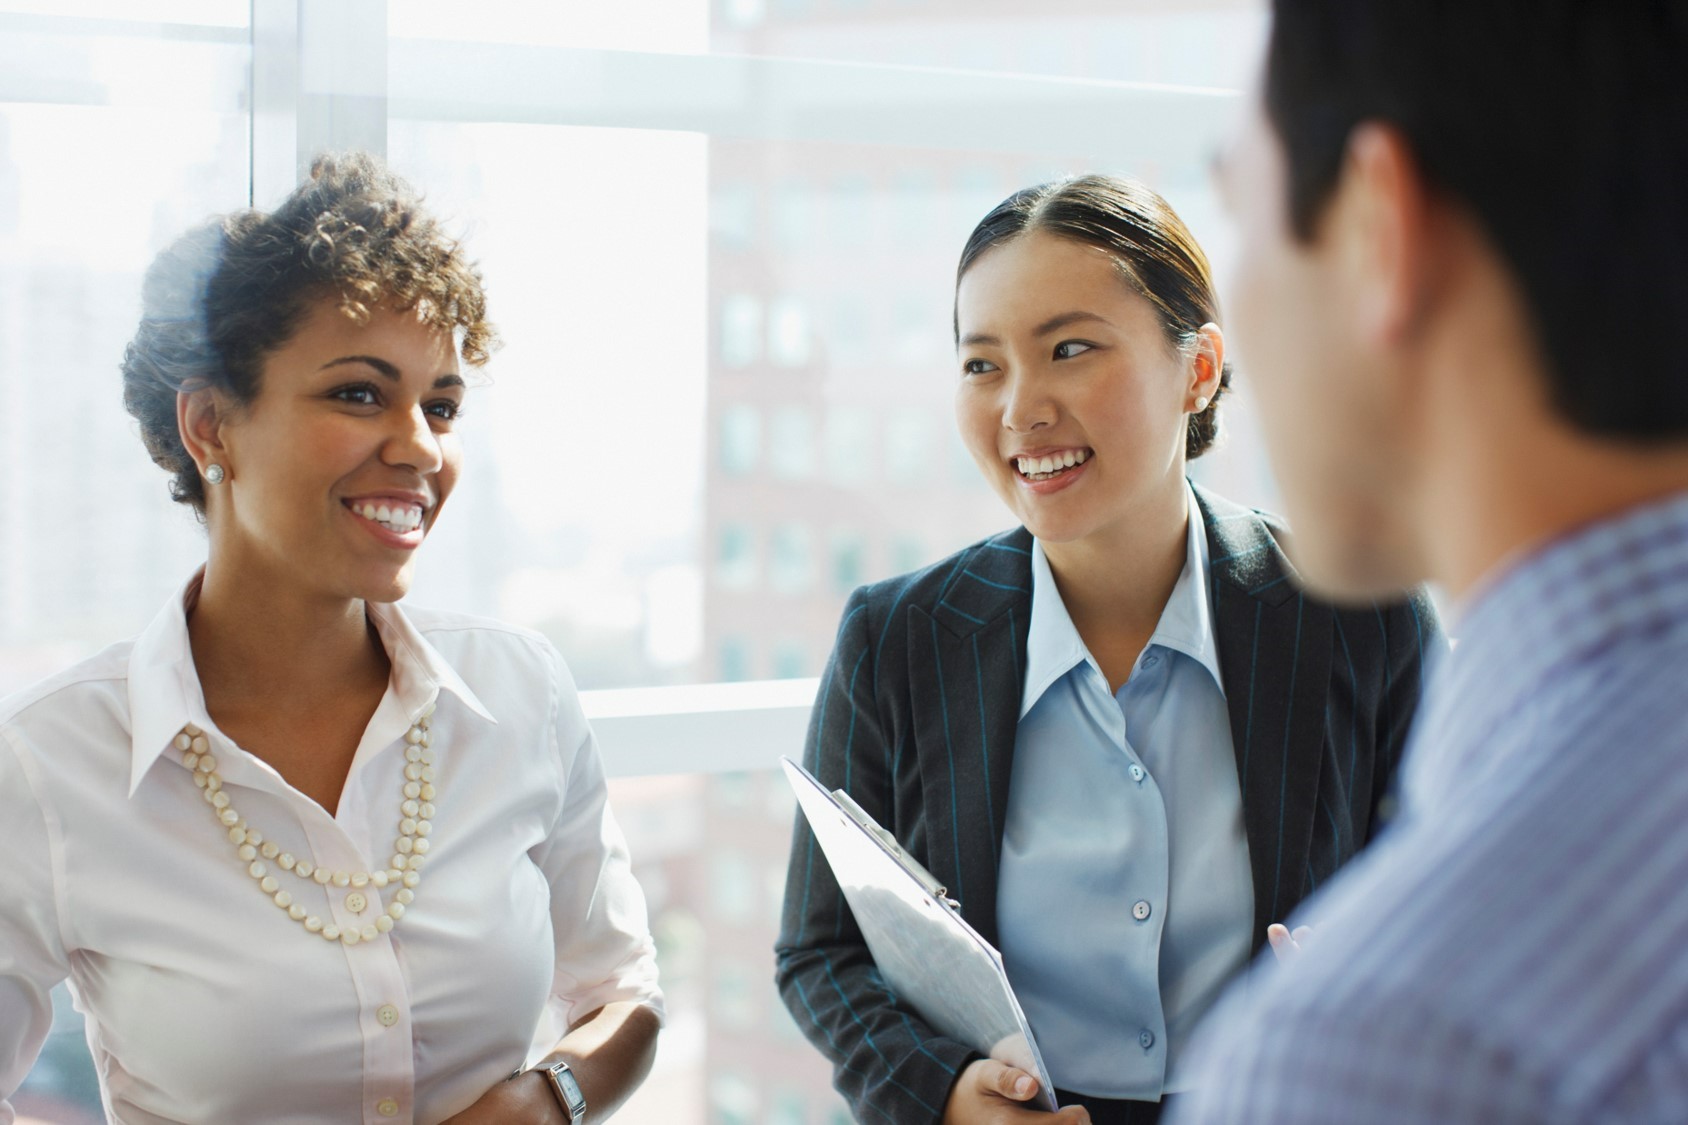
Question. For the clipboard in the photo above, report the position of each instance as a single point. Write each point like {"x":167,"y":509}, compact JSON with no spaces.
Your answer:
{"x":931,"y":959}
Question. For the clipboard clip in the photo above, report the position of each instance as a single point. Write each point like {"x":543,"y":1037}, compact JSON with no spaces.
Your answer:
{"x":928,"y":881}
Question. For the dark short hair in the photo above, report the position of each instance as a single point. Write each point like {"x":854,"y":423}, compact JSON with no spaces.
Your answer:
{"x":1561,"y":126}
{"x":1156,"y":254}
{"x":223,"y":296}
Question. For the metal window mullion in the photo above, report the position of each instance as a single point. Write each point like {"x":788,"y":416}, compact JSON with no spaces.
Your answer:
{"x":319,"y":84}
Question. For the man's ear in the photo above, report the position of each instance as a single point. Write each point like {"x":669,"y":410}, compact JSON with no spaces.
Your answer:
{"x":1380,"y":219}
{"x":200,"y":415}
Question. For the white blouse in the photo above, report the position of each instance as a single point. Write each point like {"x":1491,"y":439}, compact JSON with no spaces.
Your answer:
{"x":207,"y":1002}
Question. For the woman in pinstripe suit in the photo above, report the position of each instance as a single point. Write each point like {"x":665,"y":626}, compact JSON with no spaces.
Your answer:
{"x":1120,"y":733}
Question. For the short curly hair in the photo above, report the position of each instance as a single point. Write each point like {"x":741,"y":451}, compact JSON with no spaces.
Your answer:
{"x":1156,"y":253}
{"x":225,"y":295}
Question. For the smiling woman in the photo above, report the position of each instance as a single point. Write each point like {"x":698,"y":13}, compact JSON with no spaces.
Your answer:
{"x":235,"y":810}
{"x":1120,"y":734}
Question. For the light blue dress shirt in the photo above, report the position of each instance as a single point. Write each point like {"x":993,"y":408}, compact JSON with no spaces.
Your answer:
{"x":1125,"y":897}
{"x":1513,"y":949}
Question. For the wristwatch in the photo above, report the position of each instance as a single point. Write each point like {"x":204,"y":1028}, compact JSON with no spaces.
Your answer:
{"x":568,"y":1091}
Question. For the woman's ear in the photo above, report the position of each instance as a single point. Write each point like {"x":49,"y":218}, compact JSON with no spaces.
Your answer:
{"x":200,"y":415}
{"x":1207,"y":364}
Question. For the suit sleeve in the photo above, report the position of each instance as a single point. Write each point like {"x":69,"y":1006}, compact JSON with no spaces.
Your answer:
{"x":1413,"y":641}
{"x":889,"y":1064}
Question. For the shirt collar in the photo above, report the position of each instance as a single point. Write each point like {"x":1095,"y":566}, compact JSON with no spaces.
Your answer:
{"x":164,"y":691}
{"x":1053,"y":644}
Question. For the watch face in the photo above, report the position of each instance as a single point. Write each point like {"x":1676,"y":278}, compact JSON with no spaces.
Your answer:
{"x":567,"y":1090}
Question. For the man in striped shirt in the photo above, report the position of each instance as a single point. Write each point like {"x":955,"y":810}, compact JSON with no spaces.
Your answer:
{"x":1462,"y":290}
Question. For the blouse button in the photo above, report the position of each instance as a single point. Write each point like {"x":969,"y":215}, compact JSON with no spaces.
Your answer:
{"x":355,"y":902}
{"x":387,"y":1014}
{"x":1140,"y":910}
{"x":387,"y":1107}
{"x":1137,"y":773}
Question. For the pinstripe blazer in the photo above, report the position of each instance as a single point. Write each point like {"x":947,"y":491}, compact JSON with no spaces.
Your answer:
{"x":917,"y":717}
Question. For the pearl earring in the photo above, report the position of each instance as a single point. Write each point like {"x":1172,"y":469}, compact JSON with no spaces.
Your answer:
{"x":1201,"y":403}
{"x":214,"y":473}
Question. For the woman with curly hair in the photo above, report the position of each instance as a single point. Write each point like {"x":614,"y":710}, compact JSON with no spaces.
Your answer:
{"x":304,"y":855}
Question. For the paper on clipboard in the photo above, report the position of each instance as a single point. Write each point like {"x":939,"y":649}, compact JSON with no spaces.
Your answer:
{"x":929,"y":956}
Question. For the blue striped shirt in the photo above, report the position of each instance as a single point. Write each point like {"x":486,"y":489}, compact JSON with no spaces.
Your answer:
{"x":1515,"y":947}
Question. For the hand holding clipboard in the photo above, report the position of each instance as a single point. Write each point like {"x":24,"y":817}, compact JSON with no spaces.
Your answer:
{"x":931,"y":959}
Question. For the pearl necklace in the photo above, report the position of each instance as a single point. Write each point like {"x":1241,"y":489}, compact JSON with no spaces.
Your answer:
{"x":411,"y":848}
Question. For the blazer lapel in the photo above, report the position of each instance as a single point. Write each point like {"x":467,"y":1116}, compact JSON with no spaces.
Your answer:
{"x":966,"y":664}
{"x":1275,"y":653}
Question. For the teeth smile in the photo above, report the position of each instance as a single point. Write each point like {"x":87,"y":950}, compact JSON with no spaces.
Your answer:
{"x":394,"y":517}
{"x":1043,"y":468}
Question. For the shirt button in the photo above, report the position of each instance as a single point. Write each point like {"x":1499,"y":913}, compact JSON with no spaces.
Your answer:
{"x":1147,"y":1038}
{"x":1137,"y":773}
{"x":387,"y":1014}
{"x":355,"y":902}
{"x":1140,"y":911}
{"x":387,"y":1107}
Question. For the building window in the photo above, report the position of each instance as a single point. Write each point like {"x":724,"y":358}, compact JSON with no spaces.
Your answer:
{"x":735,"y":660}
{"x":741,"y":440}
{"x":741,"y":330}
{"x":791,"y":443}
{"x":744,"y":13}
{"x":849,"y":445}
{"x":790,"y":661}
{"x":790,"y":561}
{"x":849,"y":561}
{"x":735,"y":561}
{"x":789,"y":337}
{"x":732,"y":216}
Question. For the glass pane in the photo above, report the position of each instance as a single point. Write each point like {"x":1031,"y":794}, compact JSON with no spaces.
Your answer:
{"x":114,"y":137}
{"x":88,"y":193}
{"x":710,"y":852}
{"x":705,"y":433}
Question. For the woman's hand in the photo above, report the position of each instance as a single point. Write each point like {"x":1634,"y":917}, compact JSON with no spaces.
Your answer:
{"x":989,"y":1092}
{"x":1286,"y":945}
{"x":524,"y":1100}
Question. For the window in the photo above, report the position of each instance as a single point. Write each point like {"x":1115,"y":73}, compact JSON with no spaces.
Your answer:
{"x":734,"y":663}
{"x":789,"y":337}
{"x":741,"y":439}
{"x":849,"y":557}
{"x":791,"y":443}
{"x":741,"y":330}
{"x":791,"y":561}
{"x":735,"y":564}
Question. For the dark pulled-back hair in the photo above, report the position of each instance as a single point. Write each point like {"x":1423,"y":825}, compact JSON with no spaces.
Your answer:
{"x":1561,"y":126}
{"x":1156,"y":254}
{"x":223,"y":296}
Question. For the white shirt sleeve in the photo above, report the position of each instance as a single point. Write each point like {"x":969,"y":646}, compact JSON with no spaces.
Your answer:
{"x":32,"y":947}
{"x":604,"y":947}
